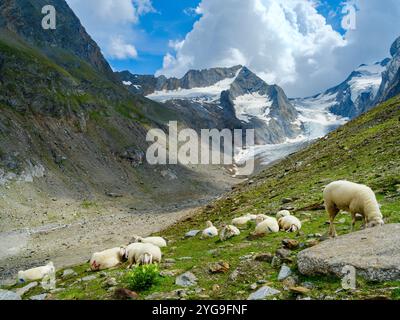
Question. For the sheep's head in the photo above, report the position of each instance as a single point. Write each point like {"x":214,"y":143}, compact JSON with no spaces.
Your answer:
{"x":21,"y":278}
{"x":259,"y":219}
{"x":123,"y":253}
{"x":136,"y":238}
{"x":376,"y":222}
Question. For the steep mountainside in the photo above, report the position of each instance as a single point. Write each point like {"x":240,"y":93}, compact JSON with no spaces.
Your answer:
{"x":391,"y":76}
{"x":224,"y":98}
{"x":68,"y":128}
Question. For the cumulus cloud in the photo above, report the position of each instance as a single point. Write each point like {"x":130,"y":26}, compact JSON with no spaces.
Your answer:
{"x":284,"y":41}
{"x":111,"y":23}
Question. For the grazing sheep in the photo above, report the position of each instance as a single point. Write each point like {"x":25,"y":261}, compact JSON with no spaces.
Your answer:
{"x":282,"y":213}
{"x":36,"y":273}
{"x":354,"y":198}
{"x":228,"y":232}
{"x":157,"y":241}
{"x":107,"y":259}
{"x":289,"y":224}
{"x":268,"y":225}
{"x":210,"y":231}
{"x":143,"y":253}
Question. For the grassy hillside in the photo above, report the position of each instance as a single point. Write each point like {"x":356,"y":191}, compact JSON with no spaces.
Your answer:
{"x":365,"y":150}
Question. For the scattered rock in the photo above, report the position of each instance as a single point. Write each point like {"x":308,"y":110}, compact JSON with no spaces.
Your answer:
{"x":186,"y":280}
{"x":192,"y":233}
{"x":216,"y":288}
{"x":114,"y":195}
{"x":68,"y":273}
{"x":299,"y":290}
{"x":265,"y":257}
{"x":9,"y":295}
{"x":219,"y":267}
{"x":311,"y":243}
{"x":263,"y":293}
{"x":124,"y":294}
{"x":375,"y":252}
{"x":286,"y":200}
{"x":88,"y":278}
{"x":246,"y":257}
{"x":283,"y":254}
{"x":289,"y":282}
{"x":276,"y":262}
{"x":290,"y":244}
{"x":308,"y":285}
{"x":111,"y":282}
{"x":262,"y":281}
{"x":185,"y":258}
{"x":24,"y":290}
{"x":39,"y":297}
{"x":253,"y":286}
{"x":233,"y":276}
{"x":170,"y":273}
{"x":170,"y":261}
{"x":284,"y":273}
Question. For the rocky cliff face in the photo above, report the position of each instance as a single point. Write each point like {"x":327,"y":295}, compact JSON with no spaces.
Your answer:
{"x":24,"y":18}
{"x":390,"y":86}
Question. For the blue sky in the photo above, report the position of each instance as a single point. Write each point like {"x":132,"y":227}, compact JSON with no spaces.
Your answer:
{"x":172,"y":20}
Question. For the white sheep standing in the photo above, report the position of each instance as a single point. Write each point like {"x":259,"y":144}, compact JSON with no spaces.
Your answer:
{"x":107,"y":259}
{"x":354,"y":198}
{"x":143,"y":253}
{"x":228,"y":232}
{"x":157,"y":241}
{"x":210,"y":231}
{"x":289,"y":223}
{"x":36,"y":273}
{"x":266,"y":225}
{"x":282,"y":213}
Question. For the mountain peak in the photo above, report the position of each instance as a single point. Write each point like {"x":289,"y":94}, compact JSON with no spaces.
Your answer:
{"x":395,"y":48}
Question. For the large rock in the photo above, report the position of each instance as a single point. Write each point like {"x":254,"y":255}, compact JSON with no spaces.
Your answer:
{"x":374,"y":252}
{"x":9,"y":295}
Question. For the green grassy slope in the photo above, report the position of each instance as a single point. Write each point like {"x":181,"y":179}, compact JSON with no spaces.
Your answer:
{"x":366,"y":150}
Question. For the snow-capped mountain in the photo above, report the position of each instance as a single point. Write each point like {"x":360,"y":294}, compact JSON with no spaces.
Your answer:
{"x":352,"y":97}
{"x":233,"y":98}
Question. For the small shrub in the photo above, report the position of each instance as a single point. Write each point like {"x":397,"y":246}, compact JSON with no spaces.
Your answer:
{"x":142,"y":278}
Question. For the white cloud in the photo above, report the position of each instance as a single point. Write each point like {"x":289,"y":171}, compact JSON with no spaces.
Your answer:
{"x":118,"y":49}
{"x":284,"y":41}
{"x":111,"y":23}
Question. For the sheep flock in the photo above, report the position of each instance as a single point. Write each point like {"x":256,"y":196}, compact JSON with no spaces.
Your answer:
{"x":339,"y":195}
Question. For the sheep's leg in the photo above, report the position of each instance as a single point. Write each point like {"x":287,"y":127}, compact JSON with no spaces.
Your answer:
{"x":332,"y":212}
{"x":353,"y":221}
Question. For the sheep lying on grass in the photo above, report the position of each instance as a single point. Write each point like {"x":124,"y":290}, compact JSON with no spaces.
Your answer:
{"x":107,"y":259}
{"x":244,"y":220}
{"x":265,"y":226}
{"x":210,"y":231}
{"x":157,"y":241}
{"x":142,"y":253}
{"x":354,"y":198}
{"x":282,"y":213}
{"x":36,"y":273}
{"x":289,"y":223}
{"x":228,"y":232}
